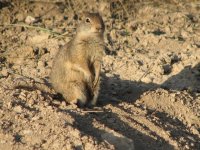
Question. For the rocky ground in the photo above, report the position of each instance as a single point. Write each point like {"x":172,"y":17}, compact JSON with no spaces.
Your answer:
{"x":150,"y":91}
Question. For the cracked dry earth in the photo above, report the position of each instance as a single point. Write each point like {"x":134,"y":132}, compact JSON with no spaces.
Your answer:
{"x":150,"y":90}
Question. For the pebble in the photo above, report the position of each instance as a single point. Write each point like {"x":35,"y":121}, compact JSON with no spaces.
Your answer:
{"x":41,"y":64}
{"x":22,"y":94}
{"x":27,"y":131}
{"x":88,"y":146}
{"x":109,"y":75}
{"x":22,"y":97}
{"x":167,"y":69}
{"x":183,"y":102}
{"x":16,"y":92}
{"x":191,"y":138}
{"x":146,"y":80}
{"x":29,"y":19}
{"x":31,"y":102}
{"x":194,"y":130}
{"x":184,"y":34}
{"x":192,"y":144}
{"x":187,"y":147}
{"x":173,"y":99}
{"x":175,"y":58}
{"x":9,"y":104}
{"x":63,"y":103}
{"x":119,"y":141}
{"x":36,"y":118}
{"x":49,"y":107}
{"x":4,"y":72}
{"x":39,"y":92}
{"x":173,"y":95}
{"x":113,"y":34}
{"x":46,"y":103}
{"x":56,"y":102}
{"x":18,"y":109}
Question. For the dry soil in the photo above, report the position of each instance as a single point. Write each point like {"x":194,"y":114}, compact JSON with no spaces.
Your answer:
{"x":150,"y":91}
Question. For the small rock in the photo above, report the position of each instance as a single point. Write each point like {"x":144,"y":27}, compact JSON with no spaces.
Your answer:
{"x":69,"y":146}
{"x":56,"y":102}
{"x":173,"y":95}
{"x":109,"y":74}
{"x":88,"y":146}
{"x":31,"y":102}
{"x":119,"y":141}
{"x":175,"y":59}
{"x":27,"y":131}
{"x":36,"y":118}
{"x":2,"y":59}
{"x":192,"y":144}
{"x":18,"y":109}
{"x":182,"y":102}
{"x":146,"y":80}
{"x":112,"y":35}
{"x":9,"y":104}
{"x":194,"y":130}
{"x":41,"y":64}
{"x":173,"y":99}
{"x":22,"y":96}
{"x":39,"y":92}
{"x":167,"y":69}
{"x":16,"y":92}
{"x":187,"y":146}
{"x":63,"y":103}
{"x":184,"y":34}
{"x":49,"y":107}
{"x":121,"y":54}
{"x":4,"y":72}
{"x":46,"y":103}
{"x":29,"y":19}
{"x":191,"y":138}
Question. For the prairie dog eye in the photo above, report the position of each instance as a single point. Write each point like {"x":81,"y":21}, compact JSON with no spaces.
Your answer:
{"x":87,"y":20}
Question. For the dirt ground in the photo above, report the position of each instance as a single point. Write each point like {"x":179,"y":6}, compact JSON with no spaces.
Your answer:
{"x":150,"y":90}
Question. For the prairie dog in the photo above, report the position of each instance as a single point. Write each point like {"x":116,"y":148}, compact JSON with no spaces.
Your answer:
{"x":76,"y":69}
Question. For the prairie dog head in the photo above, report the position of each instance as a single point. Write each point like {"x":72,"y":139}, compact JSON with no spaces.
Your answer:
{"x":91,"y":25}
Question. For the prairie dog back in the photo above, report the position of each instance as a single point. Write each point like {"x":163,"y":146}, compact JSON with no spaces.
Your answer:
{"x":76,"y":69}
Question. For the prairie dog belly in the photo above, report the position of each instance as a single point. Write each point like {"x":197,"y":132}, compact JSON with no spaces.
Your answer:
{"x":77,"y":72}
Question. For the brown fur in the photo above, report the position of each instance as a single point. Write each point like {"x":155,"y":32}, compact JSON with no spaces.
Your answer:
{"x":76,"y":68}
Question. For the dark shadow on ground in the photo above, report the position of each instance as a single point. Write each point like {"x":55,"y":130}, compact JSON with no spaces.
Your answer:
{"x":176,"y":128}
{"x":130,"y":91}
{"x":4,"y":4}
{"x":114,"y":91}
{"x":84,"y":123}
{"x":113,"y":88}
